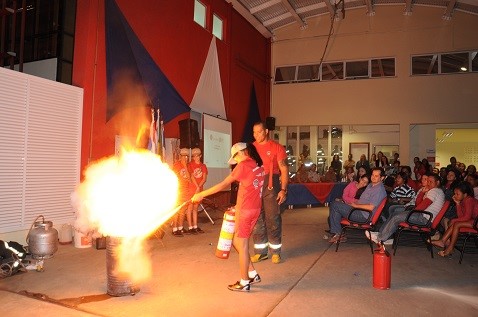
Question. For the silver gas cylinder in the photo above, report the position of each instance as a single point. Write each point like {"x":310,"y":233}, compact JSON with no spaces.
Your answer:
{"x":42,"y":239}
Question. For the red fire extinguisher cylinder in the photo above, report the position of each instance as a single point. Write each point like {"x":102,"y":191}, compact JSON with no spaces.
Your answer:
{"x":227,"y":234}
{"x":382,"y":267}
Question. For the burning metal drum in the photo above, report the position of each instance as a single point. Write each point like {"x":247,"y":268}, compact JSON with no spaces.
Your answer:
{"x":118,"y":284}
{"x":42,"y":239}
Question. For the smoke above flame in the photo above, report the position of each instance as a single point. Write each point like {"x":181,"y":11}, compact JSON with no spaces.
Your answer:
{"x":127,"y":196}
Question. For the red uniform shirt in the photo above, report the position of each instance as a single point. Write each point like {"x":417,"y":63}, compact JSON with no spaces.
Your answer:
{"x":199,"y":172}
{"x":183,"y":181}
{"x":271,"y":152}
{"x":251,"y":179}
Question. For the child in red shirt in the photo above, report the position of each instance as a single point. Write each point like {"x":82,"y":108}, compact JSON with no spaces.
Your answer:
{"x":184,"y":179}
{"x":250,"y":175}
{"x":198,"y":172}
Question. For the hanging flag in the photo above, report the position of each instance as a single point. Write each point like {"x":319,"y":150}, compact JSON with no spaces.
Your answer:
{"x":125,"y":54}
{"x":253,"y":116}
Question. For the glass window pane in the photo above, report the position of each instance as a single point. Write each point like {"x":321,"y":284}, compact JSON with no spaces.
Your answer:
{"x":332,"y":71}
{"x":200,"y":13}
{"x":285,"y":74}
{"x":474,"y":61}
{"x":384,"y":67}
{"x":308,"y":73}
{"x":292,"y":155}
{"x":357,"y":69}
{"x":454,"y":63}
{"x":322,"y":152}
{"x":217,"y":27}
{"x":425,"y":65}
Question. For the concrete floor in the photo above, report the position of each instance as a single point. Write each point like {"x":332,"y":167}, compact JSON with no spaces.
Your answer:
{"x":312,"y":280}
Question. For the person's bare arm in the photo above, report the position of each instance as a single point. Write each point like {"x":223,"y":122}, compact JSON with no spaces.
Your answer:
{"x":284,"y":179}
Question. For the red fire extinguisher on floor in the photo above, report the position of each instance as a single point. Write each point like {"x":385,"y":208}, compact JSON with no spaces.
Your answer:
{"x":227,"y":233}
{"x":382,"y":267}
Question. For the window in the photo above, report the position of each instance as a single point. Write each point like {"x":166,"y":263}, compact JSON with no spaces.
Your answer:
{"x":308,"y":73}
{"x":285,"y":74}
{"x":445,"y":63}
{"x":332,"y":71}
{"x":370,"y":68}
{"x":200,"y":13}
{"x":427,"y":64}
{"x":454,"y":63}
{"x":356,"y":69}
{"x":217,"y":27}
{"x":384,"y":67}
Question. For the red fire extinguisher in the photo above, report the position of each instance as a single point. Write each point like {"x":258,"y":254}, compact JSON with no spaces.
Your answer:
{"x":382,"y":267}
{"x":227,"y":233}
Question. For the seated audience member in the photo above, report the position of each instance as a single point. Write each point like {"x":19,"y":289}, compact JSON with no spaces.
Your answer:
{"x":369,"y":201}
{"x":452,"y":165}
{"x":400,"y":195}
{"x":312,"y":175}
{"x":396,"y":158}
{"x":373,"y":161}
{"x":384,"y":163}
{"x":360,"y":172}
{"x":302,"y":174}
{"x":472,"y":179}
{"x":350,"y":191}
{"x":432,"y":202}
{"x":467,"y":211}
{"x":461,"y":170}
{"x":362,"y":163}
{"x":410,"y":205}
{"x":463,"y":198}
{"x":349,"y":162}
{"x":470,"y":170}
{"x":349,"y":174}
{"x":410,"y":182}
{"x":330,"y":176}
{"x":448,"y":187}
{"x":418,"y":168}
{"x":435,"y":170}
{"x":395,"y":168}
{"x":337,"y":165}
{"x":427,"y":166}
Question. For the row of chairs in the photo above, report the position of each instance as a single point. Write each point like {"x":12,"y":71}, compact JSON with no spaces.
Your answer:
{"x":426,"y":231}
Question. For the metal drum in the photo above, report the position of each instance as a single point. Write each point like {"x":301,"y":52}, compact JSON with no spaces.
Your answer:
{"x":118,"y":284}
{"x":42,"y":239}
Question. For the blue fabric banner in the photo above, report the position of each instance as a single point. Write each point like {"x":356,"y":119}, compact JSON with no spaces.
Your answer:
{"x":127,"y":57}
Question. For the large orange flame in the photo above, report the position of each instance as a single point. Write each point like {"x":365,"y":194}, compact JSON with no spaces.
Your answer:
{"x":128,"y":196}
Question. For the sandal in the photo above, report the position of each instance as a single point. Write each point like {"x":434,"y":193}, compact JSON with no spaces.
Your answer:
{"x":437,"y":243}
{"x":443,"y":254}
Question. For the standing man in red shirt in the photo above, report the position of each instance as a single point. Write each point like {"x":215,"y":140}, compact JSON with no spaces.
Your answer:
{"x":267,"y":233}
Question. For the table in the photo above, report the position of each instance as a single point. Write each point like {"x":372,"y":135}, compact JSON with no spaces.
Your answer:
{"x":313,"y":194}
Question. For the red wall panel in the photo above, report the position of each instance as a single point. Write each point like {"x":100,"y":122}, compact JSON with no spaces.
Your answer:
{"x":179,"y":46}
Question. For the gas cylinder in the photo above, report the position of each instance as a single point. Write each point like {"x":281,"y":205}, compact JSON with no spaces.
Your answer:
{"x":382,"y":267}
{"x":42,"y":239}
{"x":227,"y":233}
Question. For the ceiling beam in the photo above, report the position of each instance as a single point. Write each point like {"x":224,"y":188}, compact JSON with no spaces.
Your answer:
{"x":311,"y":7}
{"x":369,"y":5}
{"x":330,"y":7}
{"x":408,"y":7}
{"x":449,"y":10}
{"x":277,"y":19}
{"x":294,"y":13}
{"x":242,"y":10}
{"x":432,"y":63}
{"x":264,"y":6}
